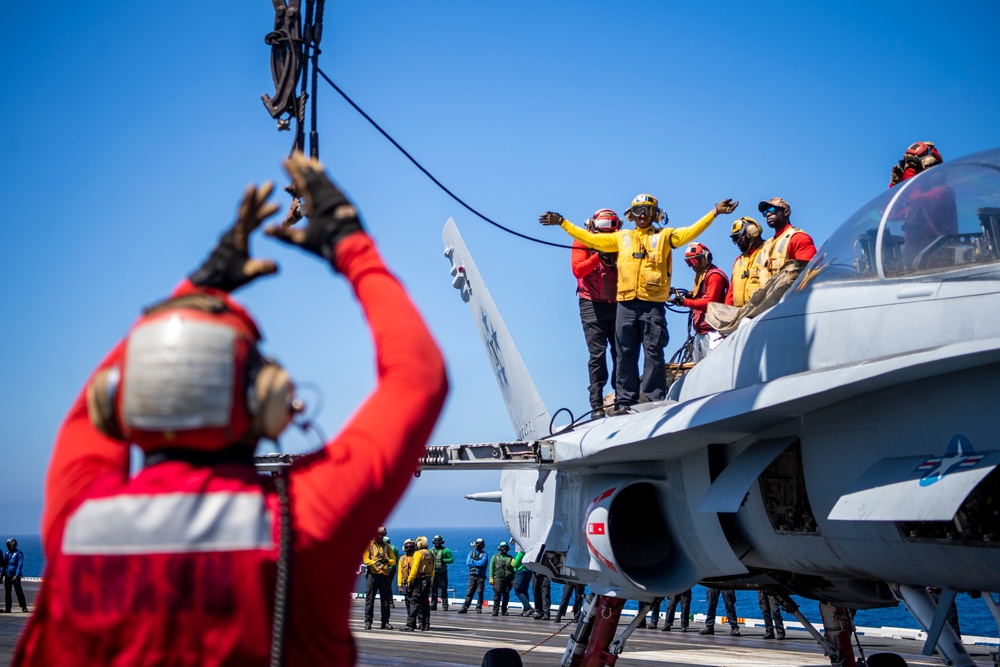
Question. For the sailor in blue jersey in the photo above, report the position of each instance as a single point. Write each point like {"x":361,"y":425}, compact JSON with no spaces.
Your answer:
{"x":477,"y":562}
{"x":13,"y":564}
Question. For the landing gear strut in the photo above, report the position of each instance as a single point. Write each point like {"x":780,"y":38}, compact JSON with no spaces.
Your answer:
{"x":593,"y":643}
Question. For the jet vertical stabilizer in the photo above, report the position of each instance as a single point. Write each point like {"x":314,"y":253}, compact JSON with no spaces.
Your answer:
{"x":527,"y":413}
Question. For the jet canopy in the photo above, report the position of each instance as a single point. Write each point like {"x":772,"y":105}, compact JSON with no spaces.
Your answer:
{"x":945,"y":219}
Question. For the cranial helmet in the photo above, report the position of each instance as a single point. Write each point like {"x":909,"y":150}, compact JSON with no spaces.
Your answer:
{"x":605,"y":220}
{"x":438,"y":541}
{"x":922,"y":155}
{"x":479,"y":543}
{"x":695,"y":252}
{"x":647,"y":201}
{"x":409,"y":545}
{"x":503,"y":547}
{"x":191,"y":376}
{"x":421,"y":542}
{"x":11,"y":544}
{"x":745,"y":226}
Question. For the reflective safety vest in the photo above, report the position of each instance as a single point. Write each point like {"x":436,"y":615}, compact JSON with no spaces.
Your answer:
{"x":644,"y":255}
{"x":747,"y":272}
{"x":425,"y":564}
{"x":163,"y":571}
{"x":775,"y":251}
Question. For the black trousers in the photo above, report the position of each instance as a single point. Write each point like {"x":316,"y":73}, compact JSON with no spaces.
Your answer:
{"x":14,"y":582}
{"x":543,"y":595}
{"x":377,"y":583}
{"x":599,"y":330}
{"x":640,"y":324}
{"x":771,"y":611}
{"x":568,"y":591}
{"x":418,"y":595}
{"x":501,"y":595}
{"x":440,"y":585}
{"x":477,"y":585}
{"x":685,"y":600}
{"x":728,"y":599}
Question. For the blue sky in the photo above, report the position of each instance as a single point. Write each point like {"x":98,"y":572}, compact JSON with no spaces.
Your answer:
{"x":130,"y":129}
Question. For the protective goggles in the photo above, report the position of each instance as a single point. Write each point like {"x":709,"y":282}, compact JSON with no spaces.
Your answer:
{"x":640,"y":210}
{"x":606,"y":224}
{"x":693,"y":261}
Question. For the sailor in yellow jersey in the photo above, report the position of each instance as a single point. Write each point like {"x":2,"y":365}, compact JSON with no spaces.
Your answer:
{"x":644,"y":269}
{"x":749,"y":267}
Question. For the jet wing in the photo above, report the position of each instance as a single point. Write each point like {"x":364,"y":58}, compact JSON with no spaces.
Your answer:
{"x":678,"y":428}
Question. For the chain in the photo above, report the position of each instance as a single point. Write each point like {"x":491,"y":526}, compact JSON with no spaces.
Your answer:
{"x":557,"y":632}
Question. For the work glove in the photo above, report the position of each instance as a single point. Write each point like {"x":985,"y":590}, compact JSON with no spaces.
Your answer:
{"x":331,"y":215}
{"x":897,"y":174}
{"x":230,"y":266}
{"x":608,"y":258}
{"x":550,"y":218}
{"x":726,"y":206}
{"x":491,"y":582}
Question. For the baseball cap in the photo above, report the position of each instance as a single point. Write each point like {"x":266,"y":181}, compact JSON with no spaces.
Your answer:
{"x":777,"y":202}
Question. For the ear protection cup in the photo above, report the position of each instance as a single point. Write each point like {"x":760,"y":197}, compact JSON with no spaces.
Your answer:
{"x":102,"y":393}
{"x":270,"y":400}
{"x":753,"y":230}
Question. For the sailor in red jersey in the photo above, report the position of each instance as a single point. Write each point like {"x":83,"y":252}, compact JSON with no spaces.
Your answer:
{"x":198,"y":559}
{"x":710,"y":285}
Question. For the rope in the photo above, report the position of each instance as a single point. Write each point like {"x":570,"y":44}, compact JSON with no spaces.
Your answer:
{"x":550,"y":637}
{"x":281,"y":581}
{"x":427,"y":173}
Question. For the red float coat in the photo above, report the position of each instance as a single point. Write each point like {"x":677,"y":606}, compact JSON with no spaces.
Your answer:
{"x":709,"y":287}
{"x":198,"y":587}
{"x":595,"y":281}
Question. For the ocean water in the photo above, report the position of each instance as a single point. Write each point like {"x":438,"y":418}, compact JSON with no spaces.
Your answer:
{"x":974,"y":616}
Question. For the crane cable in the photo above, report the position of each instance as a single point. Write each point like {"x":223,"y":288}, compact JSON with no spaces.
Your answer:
{"x":428,"y":174}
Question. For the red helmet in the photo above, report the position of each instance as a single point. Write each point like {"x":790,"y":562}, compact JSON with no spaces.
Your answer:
{"x":694,"y":253}
{"x":191,"y":376}
{"x":923,"y":152}
{"x":605,"y":220}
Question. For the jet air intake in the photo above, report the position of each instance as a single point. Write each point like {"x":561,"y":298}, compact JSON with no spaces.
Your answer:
{"x":629,"y":530}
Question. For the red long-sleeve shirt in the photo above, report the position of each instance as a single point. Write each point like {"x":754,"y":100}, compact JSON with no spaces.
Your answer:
{"x":338,"y":496}
{"x":712,"y":288}
{"x":595,"y":280}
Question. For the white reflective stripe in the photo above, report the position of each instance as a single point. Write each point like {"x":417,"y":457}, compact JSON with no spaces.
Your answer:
{"x":169,"y":523}
{"x":627,"y":240}
{"x":655,"y":241}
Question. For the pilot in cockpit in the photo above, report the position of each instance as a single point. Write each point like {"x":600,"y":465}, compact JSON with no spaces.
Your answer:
{"x":927,"y":208}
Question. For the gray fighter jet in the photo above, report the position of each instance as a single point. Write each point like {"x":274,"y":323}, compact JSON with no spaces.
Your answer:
{"x":841,"y":446}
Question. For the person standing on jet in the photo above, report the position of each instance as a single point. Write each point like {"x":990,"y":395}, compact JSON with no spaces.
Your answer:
{"x":13,"y":565}
{"x":749,"y":266}
{"x":644,"y":268}
{"x":685,"y":600}
{"x":442,"y":559}
{"x":418,"y":587}
{"x":501,"y":575}
{"x":380,"y":559}
{"x":789,"y":244}
{"x":710,"y":285}
{"x":774,"y":625}
{"x":729,"y":599}
{"x":596,"y":284}
{"x":477,"y":561}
